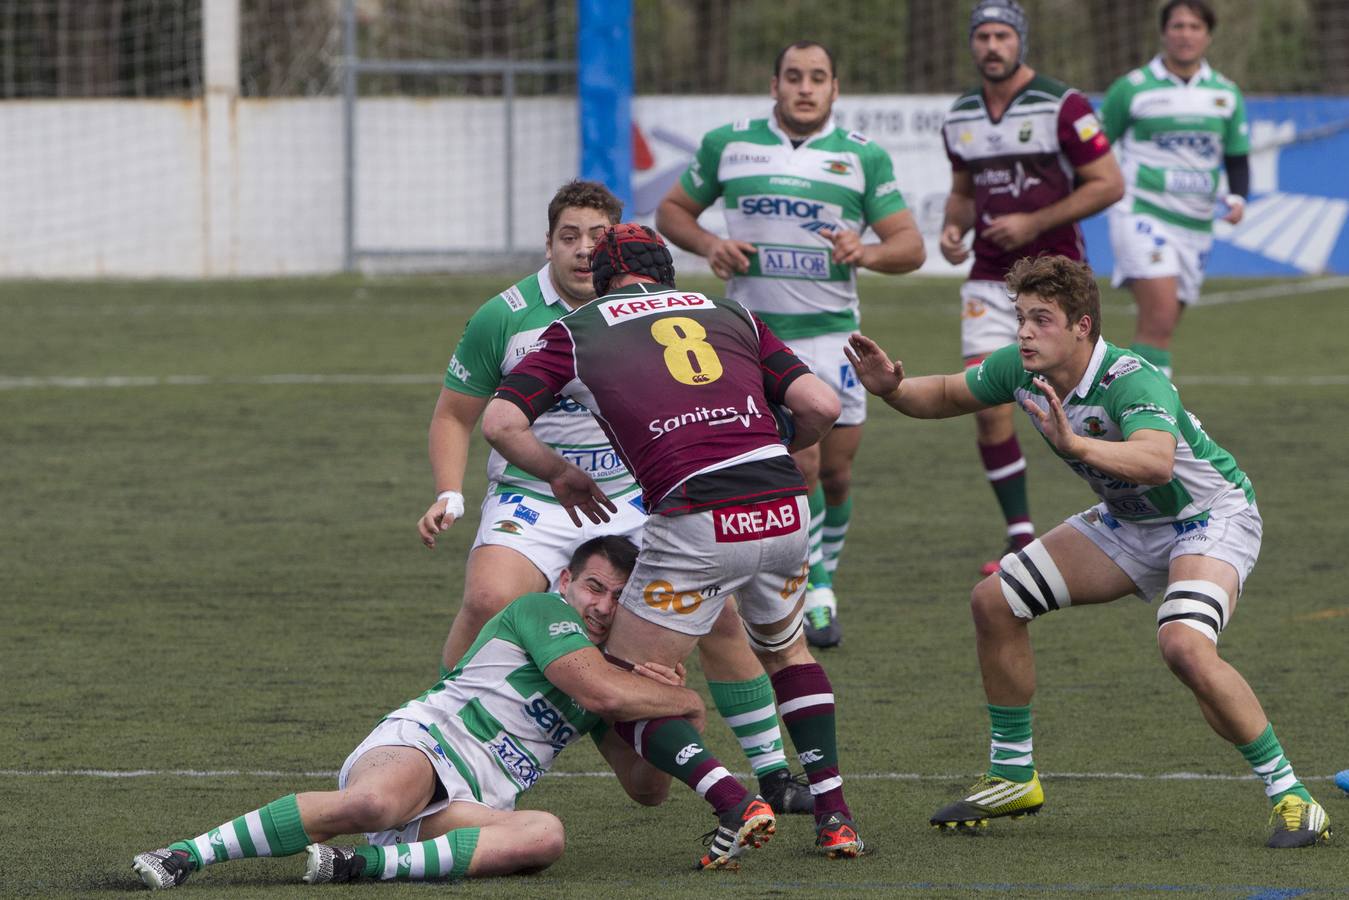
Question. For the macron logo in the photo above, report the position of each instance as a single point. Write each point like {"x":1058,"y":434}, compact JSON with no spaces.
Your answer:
{"x":683,"y":756}
{"x":616,"y":311}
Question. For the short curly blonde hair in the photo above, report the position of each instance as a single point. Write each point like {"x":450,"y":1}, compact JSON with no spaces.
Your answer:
{"x":1068,"y":283}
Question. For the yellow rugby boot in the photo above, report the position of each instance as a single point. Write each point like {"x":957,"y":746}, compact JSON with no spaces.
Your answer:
{"x":991,"y":798}
{"x":1298,"y":823}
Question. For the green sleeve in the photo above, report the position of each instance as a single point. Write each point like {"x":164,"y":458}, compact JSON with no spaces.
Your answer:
{"x":1115,"y":110}
{"x":700,"y":180}
{"x":546,"y":628}
{"x":475,"y":366}
{"x":883,"y":197}
{"x":994,"y":381}
{"x":1144,"y":399}
{"x":1237,"y":139}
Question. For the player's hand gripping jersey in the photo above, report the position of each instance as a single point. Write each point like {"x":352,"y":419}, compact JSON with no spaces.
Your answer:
{"x":496,"y":717}
{"x":498,"y":336}
{"x":778,"y":197}
{"x":1172,"y":136}
{"x":681,"y":382}
{"x":1122,"y":393}
{"x":1022,"y":162}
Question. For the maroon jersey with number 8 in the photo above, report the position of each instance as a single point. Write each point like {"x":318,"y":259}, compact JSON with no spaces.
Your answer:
{"x":681,"y":382}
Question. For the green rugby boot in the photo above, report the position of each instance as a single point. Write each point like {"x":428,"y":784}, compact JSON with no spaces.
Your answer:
{"x":991,"y":798}
{"x":1298,"y":823}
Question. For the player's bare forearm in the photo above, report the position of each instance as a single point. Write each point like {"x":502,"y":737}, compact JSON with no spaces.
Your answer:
{"x":620,"y":696}
{"x":677,"y":219}
{"x":901,"y":248}
{"x":1101,"y":184}
{"x":814,"y":406}
{"x":507,"y":429}
{"x":1147,"y":457}
{"x":449,"y":436}
{"x":960,"y":211}
{"x":933,"y":397}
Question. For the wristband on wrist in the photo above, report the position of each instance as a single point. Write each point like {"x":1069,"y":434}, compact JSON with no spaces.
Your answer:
{"x":454,"y":503}
{"x":1234,"y":200}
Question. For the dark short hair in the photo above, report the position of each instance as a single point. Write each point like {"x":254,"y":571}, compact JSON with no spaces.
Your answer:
{"x":618,"y":550}
{"x":1069,"y":283}
{"x":587,"y":195}
{"x":804,"y":45}
{"x":1199,"y":7}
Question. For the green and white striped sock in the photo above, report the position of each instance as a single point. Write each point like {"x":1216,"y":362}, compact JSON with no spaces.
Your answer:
{"x":273,"y":830}
{"x":819,"y":574}
{"x":1265,"y":754}
{"x":446,"y":857}
{"x":834,"y":532}
{"x":749,"y":708}
{"x":1010,"y":754}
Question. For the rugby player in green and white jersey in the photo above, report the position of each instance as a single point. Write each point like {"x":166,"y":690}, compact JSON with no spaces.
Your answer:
{"x":1176,"y":125}
{"x":524,"y":536}
{"x":798,"y":192}
{"x":434,"y":786}
{"x":1176,"y":520}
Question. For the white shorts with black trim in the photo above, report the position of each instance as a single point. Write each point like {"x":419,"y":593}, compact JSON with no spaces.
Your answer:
{"x":1145,"y":551}
{"x":544,"y":534}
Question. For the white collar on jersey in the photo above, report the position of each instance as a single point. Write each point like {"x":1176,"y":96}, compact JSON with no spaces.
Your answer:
{"x":1093,"y":366}
{"x":1161,"y":71}
{"x":546,"y":286}
{"x":824,"y":129}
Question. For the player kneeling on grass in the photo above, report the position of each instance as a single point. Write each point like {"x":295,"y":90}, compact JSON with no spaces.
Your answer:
{"x":1177,"y":521}
{"x":434,"y":785}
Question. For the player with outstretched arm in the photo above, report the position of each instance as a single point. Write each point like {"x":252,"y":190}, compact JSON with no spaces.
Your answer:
{"x":1176,"y":522}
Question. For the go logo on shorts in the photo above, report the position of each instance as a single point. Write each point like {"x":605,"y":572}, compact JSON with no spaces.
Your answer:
{"x":662,"y":595}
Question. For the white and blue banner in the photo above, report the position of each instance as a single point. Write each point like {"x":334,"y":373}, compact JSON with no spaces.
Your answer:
{"x":1294,"y":223}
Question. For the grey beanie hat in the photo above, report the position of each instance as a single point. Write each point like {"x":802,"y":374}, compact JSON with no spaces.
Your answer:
{"x":1007,"y":12}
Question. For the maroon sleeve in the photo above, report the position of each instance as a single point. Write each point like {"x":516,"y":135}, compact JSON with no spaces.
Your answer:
{"x":779,"y":364}
{"x":534,"y":384}
{"x":1080,"y":133}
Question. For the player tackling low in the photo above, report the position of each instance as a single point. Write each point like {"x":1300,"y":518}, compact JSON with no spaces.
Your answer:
{"x":1176,"y":520}
{"x":435,"y":783}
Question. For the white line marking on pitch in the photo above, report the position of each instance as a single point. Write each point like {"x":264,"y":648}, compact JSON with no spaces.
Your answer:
{"x":1272,"y":291}
{"x":80,"y":382}
{"x":863,"y":776}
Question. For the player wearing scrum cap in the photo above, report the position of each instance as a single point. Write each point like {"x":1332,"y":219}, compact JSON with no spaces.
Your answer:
{"x":1176,"y":522}
{"x":683,"y":384}
{"x":524,"y":536}
{"x":1028,"y":161}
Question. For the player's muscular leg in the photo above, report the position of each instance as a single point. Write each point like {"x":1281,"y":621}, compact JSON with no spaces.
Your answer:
{"x":386,"y":787}
{"x":525,"y":840}
{"x":837,"y":452}
{"x":636,"y":640}
{"x":1229,"y":705}
{"x":494,"y":577}
{"x":808,"y":461}
{"x":724,"y":651}
{"x":1006,"y":660}
{"x":1159,"y":311}
{"x":794,"y":654}
{"x":995,"y":424}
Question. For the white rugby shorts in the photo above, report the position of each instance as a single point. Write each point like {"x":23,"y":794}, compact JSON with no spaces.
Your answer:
{"x":1146,"y":247}
{"x":987,"y":318}
{"x":1145,"y":551}
{"x":824,"y":354}
{"x":690,"y":564}
{"x":406,"y":733}
{"x":543,"y":532}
